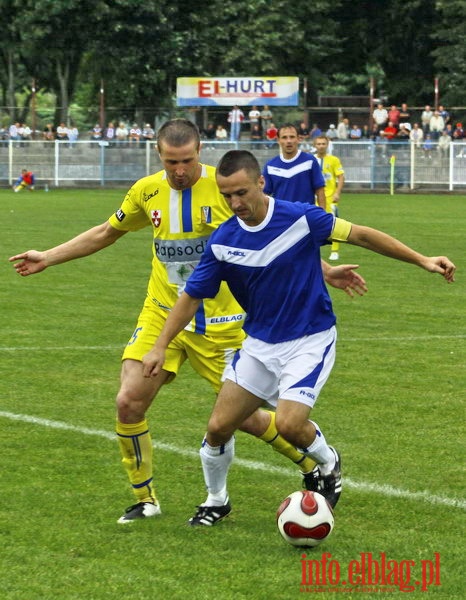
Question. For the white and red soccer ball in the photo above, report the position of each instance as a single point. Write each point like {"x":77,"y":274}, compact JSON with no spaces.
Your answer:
{"x":305,"y":518}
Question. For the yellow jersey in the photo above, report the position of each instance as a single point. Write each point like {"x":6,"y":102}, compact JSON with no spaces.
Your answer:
{"x":331,"y":169}
{"x":182,"y":222}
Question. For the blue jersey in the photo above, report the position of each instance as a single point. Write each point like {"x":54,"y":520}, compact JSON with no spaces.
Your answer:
{"x":295,"y":180}
{"x":273,"y":270}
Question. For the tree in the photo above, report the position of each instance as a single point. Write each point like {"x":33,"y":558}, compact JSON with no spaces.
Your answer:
{"x":450,"y":53}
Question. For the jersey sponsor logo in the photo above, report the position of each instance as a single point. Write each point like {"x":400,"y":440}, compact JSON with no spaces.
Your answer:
{"x":225,"y":319}
{"x":206,"y":214}
{"x":156,"y":217}
{"x":236,"y":253}
{"x":146,"y":197}
{"x":120,"y":215}
{"x":180,"y":250}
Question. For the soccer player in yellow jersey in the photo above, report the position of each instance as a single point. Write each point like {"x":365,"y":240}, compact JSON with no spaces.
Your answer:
{"x":334,"y":176}
{"x":183,"y":206}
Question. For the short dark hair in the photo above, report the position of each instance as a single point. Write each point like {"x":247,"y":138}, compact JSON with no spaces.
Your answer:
{"x":178,"y":132}
{"x":287,"y":126}
{"x":236,"y":160}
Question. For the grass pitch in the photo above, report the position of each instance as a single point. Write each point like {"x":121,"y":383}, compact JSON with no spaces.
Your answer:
{"x":394,"y":406}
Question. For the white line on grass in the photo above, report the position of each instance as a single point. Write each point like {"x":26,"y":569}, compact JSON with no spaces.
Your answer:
{"x":384,"y":490}
{"x":413,"y":338}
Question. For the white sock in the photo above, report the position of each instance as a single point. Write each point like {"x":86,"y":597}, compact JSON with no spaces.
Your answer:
{"x":321,"y":452}
{"x":216,"y":461}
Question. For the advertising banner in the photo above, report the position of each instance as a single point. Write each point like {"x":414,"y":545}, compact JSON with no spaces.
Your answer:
{"x":243,"y":91}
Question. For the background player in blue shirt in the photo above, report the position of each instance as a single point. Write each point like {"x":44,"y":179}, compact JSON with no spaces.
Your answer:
{"x":294,"y":175}
{"x":290,"y":348}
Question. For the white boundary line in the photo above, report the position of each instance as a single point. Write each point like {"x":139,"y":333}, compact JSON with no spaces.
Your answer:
{"x":384,"y":490}
{"x":407,"y":339}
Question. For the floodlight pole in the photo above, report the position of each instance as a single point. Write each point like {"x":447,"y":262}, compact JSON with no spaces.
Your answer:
{"x":436,"y":95}
{"x":371,"y":102}
{"x":102,"y":104}
{"x":33,"y":109}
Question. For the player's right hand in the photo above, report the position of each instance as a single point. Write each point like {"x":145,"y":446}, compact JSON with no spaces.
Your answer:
{"x":30,"y":262}
{"x":152,"y":362}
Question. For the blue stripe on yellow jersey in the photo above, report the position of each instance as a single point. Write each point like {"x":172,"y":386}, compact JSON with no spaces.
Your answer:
{"x":182,"y":222}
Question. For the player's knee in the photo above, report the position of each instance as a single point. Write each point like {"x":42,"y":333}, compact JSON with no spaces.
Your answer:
{"x":130,"y":408}
{"x":219,"y":429}
{"x":286,"y":426}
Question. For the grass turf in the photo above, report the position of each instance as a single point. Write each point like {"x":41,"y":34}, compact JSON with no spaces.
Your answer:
{"x":394,"y":406}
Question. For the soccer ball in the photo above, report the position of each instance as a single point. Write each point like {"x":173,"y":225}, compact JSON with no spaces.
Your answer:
{"x":305,"y":518}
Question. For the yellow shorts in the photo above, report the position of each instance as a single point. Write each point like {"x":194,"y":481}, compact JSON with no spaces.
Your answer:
{"x":208,"y":355}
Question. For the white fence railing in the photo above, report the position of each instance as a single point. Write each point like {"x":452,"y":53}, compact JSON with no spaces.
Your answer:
{"x":366,"y":163}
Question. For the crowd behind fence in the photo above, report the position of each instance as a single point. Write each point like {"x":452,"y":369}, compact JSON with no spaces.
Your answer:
{"x":367,"y":164}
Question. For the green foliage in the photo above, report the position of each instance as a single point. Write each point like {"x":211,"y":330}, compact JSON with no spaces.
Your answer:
{"x":140,"y":47}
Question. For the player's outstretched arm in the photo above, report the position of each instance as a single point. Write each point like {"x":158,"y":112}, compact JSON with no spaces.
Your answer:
{"x":179,"y":316}
{"x":84,"y":244}
{"x":382,"y":243}
{"x":343,"y":277}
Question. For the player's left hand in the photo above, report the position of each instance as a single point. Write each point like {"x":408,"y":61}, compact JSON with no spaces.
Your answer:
{"x":441,"y":265}
{"x":344,"y":277}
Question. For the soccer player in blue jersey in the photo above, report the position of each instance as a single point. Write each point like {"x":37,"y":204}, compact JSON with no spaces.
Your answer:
{"x":294,"y":174}
{"x":183,"y":206}
{"x":290,"y":349}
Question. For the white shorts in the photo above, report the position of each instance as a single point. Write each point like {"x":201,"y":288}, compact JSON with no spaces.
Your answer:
{"x":295,"y":370}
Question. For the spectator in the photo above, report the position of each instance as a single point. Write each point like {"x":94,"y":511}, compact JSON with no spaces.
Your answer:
{"x":110,"y":132}
{"x":394,"y":115}
{"x":148,"y":133}
{"x":256,"y":136}
{"x":380,"y":116}
{"x":221,"y":133}
{"x":24,"y":132}
{"x":342,"y":129}
{"x":416,"y":135}
{"x":444,"y":143}
{"x":331,"y":132}
{"x":444,"y":114}
{"x":449,"y":129}
{"x":62,"y":132}
{"x":209,"y":135}
{"x":303,"y":135}
{"x":25,"y":180}
{"x":121,"y":132}
{"x":405,"y":115}
{"x":436,"y":125}
{"x":365,"y":134}
{"x":254,"y":117}
{"x":315,"y":131}
{"x":135,"y":133}
{"x":390,"y":131}
{"x":271,"y":135}
{"x":49,"y":132}
{"x":458,"y":136}
{"x":13,"y":132}
{"x":428,"y":146}
{"x":426,"y":116}
{"x":235,"y":118}
{"x":355,"y":132}
{"x":266,"y":118}
{"x":96,"y":133}
{"x":403,"y":132}
{"x":73,"y":134}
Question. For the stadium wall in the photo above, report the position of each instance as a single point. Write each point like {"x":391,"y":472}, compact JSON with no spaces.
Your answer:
{"x":367,"y":164}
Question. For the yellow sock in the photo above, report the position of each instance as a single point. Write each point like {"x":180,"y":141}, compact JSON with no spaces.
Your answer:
{"x":136,"y":449}
{"x":278,"y":443}
{"x":335,"y":247}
